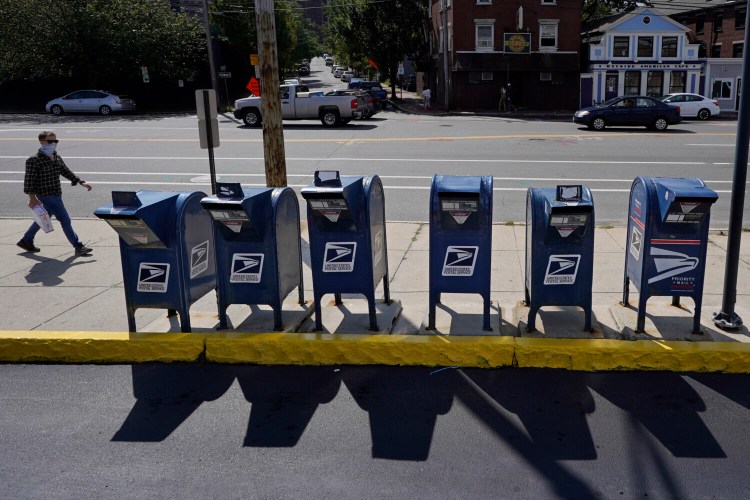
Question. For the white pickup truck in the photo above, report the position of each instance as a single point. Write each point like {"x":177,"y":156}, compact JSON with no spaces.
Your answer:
{"x":297,"y":103}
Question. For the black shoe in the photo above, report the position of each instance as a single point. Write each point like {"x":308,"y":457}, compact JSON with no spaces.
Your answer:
{"x":83,"y":250}
{"x":29,"y":247}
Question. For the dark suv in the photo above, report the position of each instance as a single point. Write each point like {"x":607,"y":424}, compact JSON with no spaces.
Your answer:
{"x":377,"y":90}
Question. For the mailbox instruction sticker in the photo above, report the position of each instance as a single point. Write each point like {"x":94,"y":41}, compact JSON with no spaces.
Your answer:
{"x":338,"y":257}
{"x":153,"y":277}
{"x":199,"y":259}
{"x":636,"y":241}
{"x":246,"y":268}
{"x":460,"y":210}
{"x":330,"y":208}
{"x":377,"y":247}
{"x":460,"y":261}
{"x":562,"y":269}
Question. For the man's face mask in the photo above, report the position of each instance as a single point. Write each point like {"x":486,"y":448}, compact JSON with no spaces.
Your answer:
{"x":49,"y":149}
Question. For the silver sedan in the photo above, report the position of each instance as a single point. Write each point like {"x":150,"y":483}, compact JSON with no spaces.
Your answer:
{"x":90,"y":101}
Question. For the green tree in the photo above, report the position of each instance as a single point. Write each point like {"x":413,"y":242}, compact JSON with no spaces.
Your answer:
{"x":384,"y":31}
{"x":597,"y":9}
{"x":97,"y":41}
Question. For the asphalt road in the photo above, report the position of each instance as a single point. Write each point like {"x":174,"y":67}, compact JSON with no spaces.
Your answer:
{"x":162,"y":152}
{"x":189,"y":431}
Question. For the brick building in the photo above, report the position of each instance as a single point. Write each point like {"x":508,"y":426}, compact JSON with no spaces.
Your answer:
{"x":533,"y":44}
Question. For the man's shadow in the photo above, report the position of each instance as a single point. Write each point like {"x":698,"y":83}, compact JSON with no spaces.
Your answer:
{"x":48,"y":271}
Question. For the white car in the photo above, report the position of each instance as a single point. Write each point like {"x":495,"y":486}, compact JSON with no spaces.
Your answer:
{"x":339,"y":71}
{"x":346,"y":76}
{"x":693,"y":105}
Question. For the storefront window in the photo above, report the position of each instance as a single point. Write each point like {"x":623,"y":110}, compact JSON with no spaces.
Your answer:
{"x":632,"y":82}
{"x":669,"y":46}
{"x":655,"y":83}
{"x":677,"y":82}
{"x":737,"y":49}
{"x":646,"y":46}
{"x":721,"y":89}
{"x":621,"y":46}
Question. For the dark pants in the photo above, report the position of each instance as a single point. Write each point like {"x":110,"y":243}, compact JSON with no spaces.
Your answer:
{"x":54,"y":206}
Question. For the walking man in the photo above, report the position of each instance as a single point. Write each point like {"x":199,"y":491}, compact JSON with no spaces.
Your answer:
{"x":427,"y":94}
{"x":503,"y":105}
{"x":42,"y":184}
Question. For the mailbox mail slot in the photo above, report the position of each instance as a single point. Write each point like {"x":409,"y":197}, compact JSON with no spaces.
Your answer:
{"x":166,"y":250}
{"x":460,"y":240}
{"x":559,"y":249}
{"x":668,"y":222}
{"x":348,"y":247}
{"x":258,"y":249}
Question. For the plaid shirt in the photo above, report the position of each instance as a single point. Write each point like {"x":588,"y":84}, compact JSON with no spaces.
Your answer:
{"x":43,"y":175}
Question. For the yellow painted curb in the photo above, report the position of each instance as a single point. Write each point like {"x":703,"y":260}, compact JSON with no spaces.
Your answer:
{"x":604,"y":355}
{"x":350,"y":349}
{"x":100,"y":347}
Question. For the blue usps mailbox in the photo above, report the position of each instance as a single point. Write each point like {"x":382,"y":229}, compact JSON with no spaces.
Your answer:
{"x":668,"y":223}
{"x":460,"y":239}
{"x":165,"y":248}
{"x":348,"y":248}
{"x":559,"y":249}
{"x":258,"y":249}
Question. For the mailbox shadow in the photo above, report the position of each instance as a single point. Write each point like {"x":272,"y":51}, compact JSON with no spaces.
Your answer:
{"x":536,"y":413}
{"x":47,"y":271}
{"x":403,"y":405}
{"x":552,"y":410}
{"x":730,"y":385}
{"x":284,"y":400}
{"x":667,"y":407}
{"x":462,"y":323}
{"x":167,"y":395}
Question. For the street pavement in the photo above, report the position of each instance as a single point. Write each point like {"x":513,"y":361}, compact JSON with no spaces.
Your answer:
{"x":54,"y":290}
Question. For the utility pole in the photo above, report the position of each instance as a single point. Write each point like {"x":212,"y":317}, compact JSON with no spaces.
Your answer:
{"x":270,"y":103}
{"x":210,"y":47}
{"x":446,"y":56}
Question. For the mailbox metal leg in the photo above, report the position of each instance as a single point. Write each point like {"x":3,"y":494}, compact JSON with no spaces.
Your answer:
{"x":131,"y":319}
{"x":337,"y":299}
{"x":386,"y":290}
{"x":626,"y":291}
{"x":676,"y":301}
{"x":373,"y":318}
{"x":640,"y":325}
{"x":318,"y":314}
{"x":431,"y":310}
{"x":277,"y":326}
{"x":697,"y":319}
{"x":486,"y":327}
{"x":171,"y":312}
{"x":223,"y":323}
{"x":185,"y":321}
{"x":587,"y":315}
{"x":531,"y":324}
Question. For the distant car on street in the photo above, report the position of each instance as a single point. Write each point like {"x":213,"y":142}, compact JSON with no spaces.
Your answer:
{"x":693,"y":105}
{"x":631,"y":110}
{"x":346,"y":76}
{"x":91,"y":101}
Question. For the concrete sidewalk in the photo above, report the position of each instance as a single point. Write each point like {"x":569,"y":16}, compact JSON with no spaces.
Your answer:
{"x":56,"y":298}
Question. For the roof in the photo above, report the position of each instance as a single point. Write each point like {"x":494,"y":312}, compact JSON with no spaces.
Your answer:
{"x":671,"y":7}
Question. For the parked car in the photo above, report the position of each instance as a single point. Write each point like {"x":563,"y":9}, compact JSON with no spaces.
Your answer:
{"x":375,"y":87}
{"x":346,"y":76}
{"x":91,"y":101}
{"x":693,"y":105}
{"x":338,"y":72}
{"x":631,"y":110}
{"x":329,"y":61}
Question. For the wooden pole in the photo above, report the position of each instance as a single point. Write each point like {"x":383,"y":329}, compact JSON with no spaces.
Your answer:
{"x":273,"y":132}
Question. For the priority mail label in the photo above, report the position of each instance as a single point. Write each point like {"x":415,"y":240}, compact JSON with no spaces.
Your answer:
{"x":338,"y":257}
{"x":199,"y":259}
{"x":460,"y":261}
{"x":153,"y":277}
{"x":562,"y":269}
{"x":246,"y":268}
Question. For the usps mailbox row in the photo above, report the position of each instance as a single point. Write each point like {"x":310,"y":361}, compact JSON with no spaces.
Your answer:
{"x":172,"y":244}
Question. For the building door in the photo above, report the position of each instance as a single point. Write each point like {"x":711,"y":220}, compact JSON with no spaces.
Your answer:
{"x":737,"y":94}
{"x":610,"y":86}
